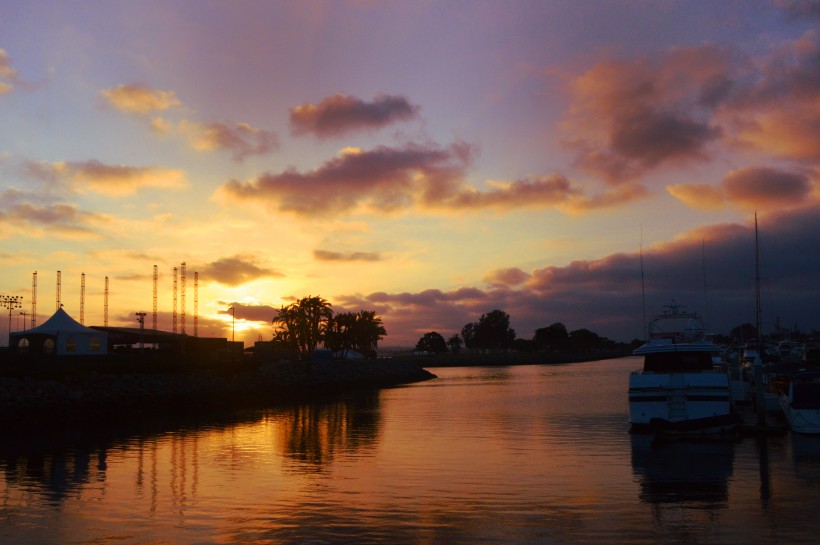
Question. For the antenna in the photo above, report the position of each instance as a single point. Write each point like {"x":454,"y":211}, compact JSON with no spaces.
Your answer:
{"x":34,"y":299}
{"x":82,"y":298}
{"x":182,"y":297}
{"x":59,"y":288}
{"x":643,"y":289}
{"x":174,"y":320}
{"x":705,"y":285}
{"x":105,"y":304}
{"x":196,"y":304}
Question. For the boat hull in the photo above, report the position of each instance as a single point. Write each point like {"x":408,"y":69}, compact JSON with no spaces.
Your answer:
{"x":681,"y":403}
{"x":800,"y":420}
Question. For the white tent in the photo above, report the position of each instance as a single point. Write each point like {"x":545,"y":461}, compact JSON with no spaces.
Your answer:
{"x":62,"y":335}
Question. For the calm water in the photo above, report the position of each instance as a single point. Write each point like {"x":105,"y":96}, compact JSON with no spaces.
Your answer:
{"x":529,"y":454}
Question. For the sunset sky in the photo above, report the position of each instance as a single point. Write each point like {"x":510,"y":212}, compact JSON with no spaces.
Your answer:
{"x":431,"y":161}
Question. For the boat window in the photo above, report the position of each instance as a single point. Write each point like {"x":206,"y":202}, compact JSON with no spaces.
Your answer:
{"x":48,"y":346}
{"x":22,"y":346}
{"x":670,"y":362}
{"x":94,"y":344}
{"x":71,"y":344}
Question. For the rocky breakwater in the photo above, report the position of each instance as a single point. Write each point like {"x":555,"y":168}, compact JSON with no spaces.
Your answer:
{"x":109,"y":395}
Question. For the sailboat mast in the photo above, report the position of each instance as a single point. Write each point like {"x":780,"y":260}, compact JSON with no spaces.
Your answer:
{"x":757,"y":283}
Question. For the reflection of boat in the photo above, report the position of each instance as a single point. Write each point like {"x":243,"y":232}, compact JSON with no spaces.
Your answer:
{"x":685,"y":470}
{"x":801,"y":404}
{"x":679,"y":390}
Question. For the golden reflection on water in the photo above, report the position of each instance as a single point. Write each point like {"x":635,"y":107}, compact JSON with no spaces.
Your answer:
{"x":503,"y":455}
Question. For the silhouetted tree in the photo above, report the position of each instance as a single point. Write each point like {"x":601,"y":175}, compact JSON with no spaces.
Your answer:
{"x":301,"y":325}
{"x":468,"y":333}
{"x":554,"y":337}
{"x":454,"y":343}
{"x":432,"y":342}
{"x":360,"y":331}
{"x":584,"y":340}
{"x":491,"y":332}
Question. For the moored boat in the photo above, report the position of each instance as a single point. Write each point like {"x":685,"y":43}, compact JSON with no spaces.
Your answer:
{"x":801,"y":404}
{"x":679,"y":390}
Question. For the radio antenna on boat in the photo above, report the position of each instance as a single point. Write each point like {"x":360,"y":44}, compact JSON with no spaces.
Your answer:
{"x":643,"y":290}
{"x":705,"y":285}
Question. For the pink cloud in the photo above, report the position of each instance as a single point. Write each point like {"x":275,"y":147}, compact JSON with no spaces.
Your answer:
{"x":327,"y":255}
{"x":341,"y":114}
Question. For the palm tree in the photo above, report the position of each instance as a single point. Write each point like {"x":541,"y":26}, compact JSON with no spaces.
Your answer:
{"x":301,"y":325}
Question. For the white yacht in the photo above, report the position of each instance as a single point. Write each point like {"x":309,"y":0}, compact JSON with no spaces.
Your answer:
{"x":801,"y":404}
{"x":679,"y":390}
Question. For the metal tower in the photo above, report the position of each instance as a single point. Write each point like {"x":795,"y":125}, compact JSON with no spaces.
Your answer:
{"x":174,"y":320}
{"x":182,"y":297}
{"x":105,"y":304}
{"x":82,"y":298}
{"x":59,"y":288}
{"x":196,"y":304}
{"x":34,"y":300}
{"x":156,"y":278}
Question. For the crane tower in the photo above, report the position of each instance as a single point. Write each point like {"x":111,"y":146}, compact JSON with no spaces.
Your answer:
{"x":174,"y":320}
{"x":182,"y":297}
{"x":196,"y":304}
{"x":82,"y":298}
{"x":34,"y":299}
{"x":105,"y":303}
{"x":59,"y":288}
{"x":156,"y":278}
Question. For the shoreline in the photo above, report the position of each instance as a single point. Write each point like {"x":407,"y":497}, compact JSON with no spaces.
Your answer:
{"x":45,"y":396}
{"x":86,"y":392}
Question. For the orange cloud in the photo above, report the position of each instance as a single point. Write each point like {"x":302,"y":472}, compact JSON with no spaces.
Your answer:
{"x":242,"y":139}
{"x":139,"y":99}
{"x":506,"y":277}
{"x":341,"y":114}
{"x":236,"y":270}
{"x":55,"y":220}
{"x":327,"y":255}
{"x":390,"y":179}
{"x":698,"y":195}
{"x":117,"y":180}
{"x":628,"y":117}
{"x":753,"y":188}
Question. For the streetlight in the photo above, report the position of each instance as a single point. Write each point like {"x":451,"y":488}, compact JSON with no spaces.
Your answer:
{"x":11,"y":302}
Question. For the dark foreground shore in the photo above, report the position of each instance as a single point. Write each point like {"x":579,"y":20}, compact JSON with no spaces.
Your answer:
{"x":49,"y":395}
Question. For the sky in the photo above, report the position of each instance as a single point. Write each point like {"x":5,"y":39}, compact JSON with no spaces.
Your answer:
{"x":562,"y":161}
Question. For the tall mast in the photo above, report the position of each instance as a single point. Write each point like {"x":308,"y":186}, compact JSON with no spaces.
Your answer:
{"x":758,"y":310}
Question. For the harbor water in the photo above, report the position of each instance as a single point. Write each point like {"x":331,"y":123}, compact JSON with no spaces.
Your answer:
{"x":508,"y":455}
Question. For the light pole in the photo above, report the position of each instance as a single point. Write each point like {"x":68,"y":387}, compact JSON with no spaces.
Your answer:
{"x":11,"y":302}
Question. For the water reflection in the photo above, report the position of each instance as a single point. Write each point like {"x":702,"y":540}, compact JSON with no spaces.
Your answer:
{"x":311,"y":434}
{"x":686,"y":483}
{"x":60,"y":464}
{"x":683,"y":471}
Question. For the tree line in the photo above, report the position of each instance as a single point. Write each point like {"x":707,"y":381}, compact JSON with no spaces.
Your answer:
{"x":492,"y":333}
